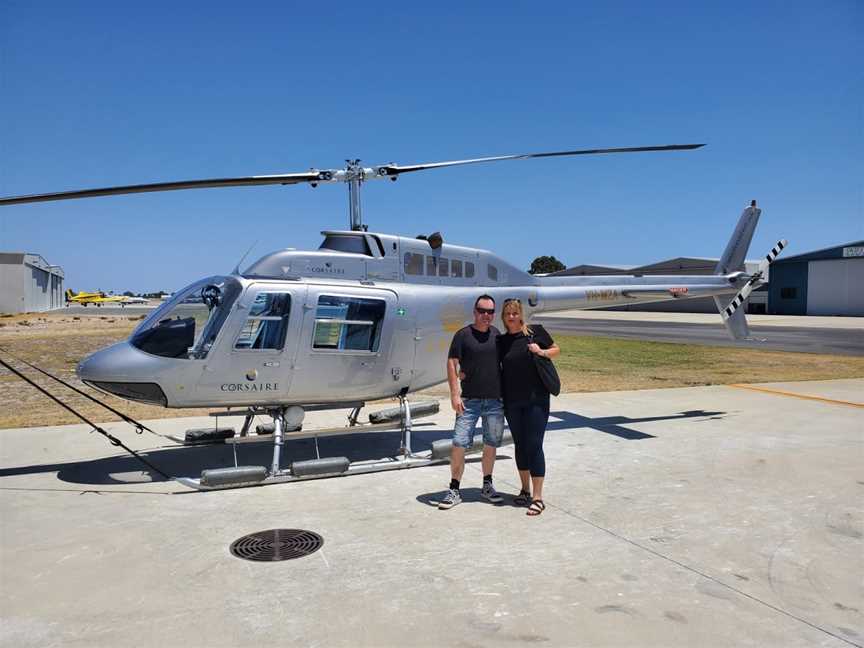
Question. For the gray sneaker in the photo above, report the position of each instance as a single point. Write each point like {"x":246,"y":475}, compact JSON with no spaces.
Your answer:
{"x":451,"y":499}
{"x":490,"y":494}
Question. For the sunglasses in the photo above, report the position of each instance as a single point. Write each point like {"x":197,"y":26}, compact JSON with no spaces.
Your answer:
{"x":512,"y":300}
{"x":485,"y":311}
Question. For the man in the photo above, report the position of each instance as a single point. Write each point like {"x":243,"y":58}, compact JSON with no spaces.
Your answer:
{"x":473,"y":357}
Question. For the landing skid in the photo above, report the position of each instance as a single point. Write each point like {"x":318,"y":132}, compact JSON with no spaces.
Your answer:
{"x":283,"y":476}
{"x":242,"y":476}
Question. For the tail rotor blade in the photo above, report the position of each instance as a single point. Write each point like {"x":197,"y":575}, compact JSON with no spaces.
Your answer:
{"x":750,"y":286}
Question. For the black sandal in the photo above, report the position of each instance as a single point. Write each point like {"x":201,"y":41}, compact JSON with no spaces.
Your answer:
{"x":522,"y":499}
{"x":536,"y":508}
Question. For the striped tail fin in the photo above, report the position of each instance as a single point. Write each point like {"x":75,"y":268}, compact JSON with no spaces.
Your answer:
{"x":748,"y":288}
{"x":733,"y":318}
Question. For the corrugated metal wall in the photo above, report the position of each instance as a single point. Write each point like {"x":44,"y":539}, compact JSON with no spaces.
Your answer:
{"x":29,"y":284}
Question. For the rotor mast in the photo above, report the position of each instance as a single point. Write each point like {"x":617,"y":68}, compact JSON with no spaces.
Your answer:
{"x":354,"y":176}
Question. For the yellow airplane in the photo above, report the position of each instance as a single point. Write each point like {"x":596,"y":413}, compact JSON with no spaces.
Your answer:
{"x":99,"y":298}
{"x":84,"y":298}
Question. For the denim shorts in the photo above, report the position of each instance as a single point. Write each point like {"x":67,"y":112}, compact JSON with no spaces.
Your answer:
{"x":491,"y":410}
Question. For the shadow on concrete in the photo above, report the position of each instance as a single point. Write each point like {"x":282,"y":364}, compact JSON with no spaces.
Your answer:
{"x":469,"y":496}
{"x":560,"y":420}
{"x":189,"y":461}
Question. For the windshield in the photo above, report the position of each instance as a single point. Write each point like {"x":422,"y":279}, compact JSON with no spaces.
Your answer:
{"x":187,"y":324}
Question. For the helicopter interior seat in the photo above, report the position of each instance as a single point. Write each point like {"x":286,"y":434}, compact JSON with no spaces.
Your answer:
{"x":270,"y":335}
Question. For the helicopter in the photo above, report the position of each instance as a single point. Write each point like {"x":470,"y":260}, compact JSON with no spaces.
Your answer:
{"x":366,"y":316}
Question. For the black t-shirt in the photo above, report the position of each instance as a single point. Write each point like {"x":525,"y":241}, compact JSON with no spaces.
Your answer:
{"x":478,"y":360}
{"x":519,"y":378}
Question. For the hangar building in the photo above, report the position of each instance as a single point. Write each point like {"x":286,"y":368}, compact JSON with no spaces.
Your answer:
{"x":28,"y":283}
{"x":824,"y":282}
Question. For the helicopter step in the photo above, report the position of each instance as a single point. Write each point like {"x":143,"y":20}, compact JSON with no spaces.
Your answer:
{"x":206,"y":436}
{"x":361,"y":428}
{"x":441,"y":448}
{"x":393,"y":414}
{"x":381,"y":420}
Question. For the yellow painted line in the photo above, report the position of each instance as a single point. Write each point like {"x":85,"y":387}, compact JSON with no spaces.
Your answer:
{"x":780,"y":392}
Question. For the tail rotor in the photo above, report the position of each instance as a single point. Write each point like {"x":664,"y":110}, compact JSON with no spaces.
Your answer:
{"x":750,"y":286}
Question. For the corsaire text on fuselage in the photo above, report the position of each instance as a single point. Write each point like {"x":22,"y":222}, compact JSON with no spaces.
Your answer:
{"x":249,"y":387}
{"x":327,"y":270}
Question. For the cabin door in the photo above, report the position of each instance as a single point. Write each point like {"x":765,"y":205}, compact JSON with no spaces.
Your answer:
{"x":351,"y":345}
{"x":253,"y":355}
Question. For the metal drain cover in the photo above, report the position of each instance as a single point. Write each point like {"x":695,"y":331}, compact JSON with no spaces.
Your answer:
{"x":277,"y":544}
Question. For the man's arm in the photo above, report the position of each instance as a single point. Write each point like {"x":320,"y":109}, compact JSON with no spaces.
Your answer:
{"x":453,"y":381}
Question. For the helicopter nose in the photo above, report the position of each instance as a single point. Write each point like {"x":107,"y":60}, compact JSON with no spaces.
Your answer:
{"x":124,"y":371}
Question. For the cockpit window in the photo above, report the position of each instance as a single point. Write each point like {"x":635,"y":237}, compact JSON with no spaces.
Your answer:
{"x":187,"y":324}
{"x":267,"y":322}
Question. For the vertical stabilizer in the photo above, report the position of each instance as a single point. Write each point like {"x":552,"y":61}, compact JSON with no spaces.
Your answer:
{"x":733,"y":256}
{"x":733,"y":261}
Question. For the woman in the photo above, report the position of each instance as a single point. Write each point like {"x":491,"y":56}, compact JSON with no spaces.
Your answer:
{"x":526,"y":399}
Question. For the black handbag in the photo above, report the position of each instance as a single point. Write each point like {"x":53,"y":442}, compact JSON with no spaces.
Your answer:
{"x":547,"y":372}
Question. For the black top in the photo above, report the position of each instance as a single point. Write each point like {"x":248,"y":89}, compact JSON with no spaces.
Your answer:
{"x":519,"y":377}
{"x":478,"y":360}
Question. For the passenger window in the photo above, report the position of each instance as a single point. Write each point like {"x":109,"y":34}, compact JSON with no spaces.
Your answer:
{"x":469,"y":269}
{"x":456,"y":268}
{"x":348,"y":323}
{"x":413,"y":264}
{"x":431,"y":266}
{"x":443,"y":267}
{"x":493,"y":272}
{"x":267,"y":322}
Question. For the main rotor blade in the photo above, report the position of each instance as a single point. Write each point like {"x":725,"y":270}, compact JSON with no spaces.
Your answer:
{"x":282,"y":179}
{"x":396,"y":169}
{"x":350,"y":174}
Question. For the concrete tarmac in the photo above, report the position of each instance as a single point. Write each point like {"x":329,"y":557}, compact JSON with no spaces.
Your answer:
{"x":708,"y":516}
{"x":832,"y":335}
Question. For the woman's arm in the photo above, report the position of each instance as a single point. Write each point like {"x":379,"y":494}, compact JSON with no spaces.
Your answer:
{"x":551,"y":349}
{"x":551,"y":352}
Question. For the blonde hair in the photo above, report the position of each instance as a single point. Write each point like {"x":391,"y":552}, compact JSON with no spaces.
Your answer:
{"x":515,"y":304}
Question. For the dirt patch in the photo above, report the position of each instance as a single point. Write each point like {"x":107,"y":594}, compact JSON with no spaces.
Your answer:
{"x":56,"y":342}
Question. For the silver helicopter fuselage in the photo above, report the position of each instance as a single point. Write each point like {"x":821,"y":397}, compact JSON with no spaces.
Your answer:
{"x":365,"y":317}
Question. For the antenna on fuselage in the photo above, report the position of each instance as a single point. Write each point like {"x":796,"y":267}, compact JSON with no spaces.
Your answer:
{"x":236,"y":270}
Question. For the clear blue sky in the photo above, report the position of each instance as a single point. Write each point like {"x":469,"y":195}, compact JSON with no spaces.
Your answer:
{"x":103,"y":93}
